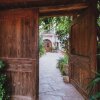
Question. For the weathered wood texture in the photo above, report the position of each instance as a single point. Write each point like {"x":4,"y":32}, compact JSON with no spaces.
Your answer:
{"x":69,"y":9}
{"x":8,"y":4}
{"x":83,"y":50}
{"x":19,"y":49}
{"x":40,"y":2}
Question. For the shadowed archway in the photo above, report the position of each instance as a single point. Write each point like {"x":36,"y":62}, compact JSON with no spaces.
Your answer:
{"x":47,"y":45}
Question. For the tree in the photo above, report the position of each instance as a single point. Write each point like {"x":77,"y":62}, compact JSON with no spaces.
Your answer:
{"x":63,"y":30}
{"x":61,"y":25}
{"x":46,"y":24}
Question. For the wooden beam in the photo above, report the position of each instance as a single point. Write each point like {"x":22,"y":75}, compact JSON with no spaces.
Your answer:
{"x":60,"y":13}
{"x":69,"y":7}
{"x":55,"y":13}
{"x":42,"y":1}
{"x":12,"y":4}
{"x":68,"y":10}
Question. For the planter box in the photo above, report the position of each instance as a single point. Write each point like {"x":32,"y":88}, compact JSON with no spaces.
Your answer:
{"x":66,"y":79}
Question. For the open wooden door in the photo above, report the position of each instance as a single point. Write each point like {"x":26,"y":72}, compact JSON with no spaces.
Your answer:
{"x":19,"y":49}
{"x":83,"y":50}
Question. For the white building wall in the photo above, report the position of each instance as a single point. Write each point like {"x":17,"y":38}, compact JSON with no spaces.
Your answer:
{"x":53,"y":38}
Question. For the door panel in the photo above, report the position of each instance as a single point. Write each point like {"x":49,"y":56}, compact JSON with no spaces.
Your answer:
{"x":83,"y":50}
{"x":19,"y":49}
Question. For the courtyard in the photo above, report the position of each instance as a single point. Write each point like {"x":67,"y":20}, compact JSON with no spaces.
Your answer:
{"x":51,"y":85}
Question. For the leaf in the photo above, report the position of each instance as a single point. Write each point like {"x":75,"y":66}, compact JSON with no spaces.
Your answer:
{"x":93,"y":83}
{"x":95,"y":97}
{"x":2,"y":65}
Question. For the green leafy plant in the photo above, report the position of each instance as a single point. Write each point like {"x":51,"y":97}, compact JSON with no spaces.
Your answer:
{"x":3,"y":79}
{"x":61,"y":64}
{"x":61,"y":25}
{"x":41,"y":47}
{"x":91,"y":87}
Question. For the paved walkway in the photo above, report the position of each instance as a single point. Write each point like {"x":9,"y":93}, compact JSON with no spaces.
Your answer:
{"x":52,"y":86}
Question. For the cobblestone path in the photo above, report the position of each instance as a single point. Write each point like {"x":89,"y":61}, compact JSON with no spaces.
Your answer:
{"x":51,"y":85}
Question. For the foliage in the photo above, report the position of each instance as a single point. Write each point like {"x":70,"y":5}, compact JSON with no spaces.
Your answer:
{"x":3,"y":87}
{"x":46,"y":23}
{"x":98,"y":27}
{"x":91,"y":87}
{"x":41,"y":47}
{"x":98,"y":19}
{"x":61,"y":64}
{"x":63,"y":29}
{"x":61,"y":25}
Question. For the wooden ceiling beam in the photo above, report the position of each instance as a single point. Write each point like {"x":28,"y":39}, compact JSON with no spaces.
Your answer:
{"x":21,"y":1}
{"x":60,"y":13}
{"x":70,"y":7}
{"x":68,"y":10}
{"x":39,"y":1}
{"x":12,"y":4}
{"x":56,"y":13}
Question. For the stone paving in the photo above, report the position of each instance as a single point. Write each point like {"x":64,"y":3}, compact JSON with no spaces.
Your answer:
{"x":51,"y":85}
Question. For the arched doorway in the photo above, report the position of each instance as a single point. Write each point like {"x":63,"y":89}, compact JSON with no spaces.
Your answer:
{"x":48,"y":45}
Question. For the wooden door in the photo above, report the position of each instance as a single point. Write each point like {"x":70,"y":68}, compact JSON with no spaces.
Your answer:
{"x":83,"y":50}
{"x":19,"y":50}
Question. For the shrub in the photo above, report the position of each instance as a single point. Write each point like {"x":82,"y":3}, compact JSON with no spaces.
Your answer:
{"x":3,"y":80}
{"x":61,"y":64}
{"x":41,"y":47}
{"x":94,"y":83}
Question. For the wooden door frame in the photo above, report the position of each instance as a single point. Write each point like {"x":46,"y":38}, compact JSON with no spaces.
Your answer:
{"x":63,"y":13}
{"x":69,"y":13}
